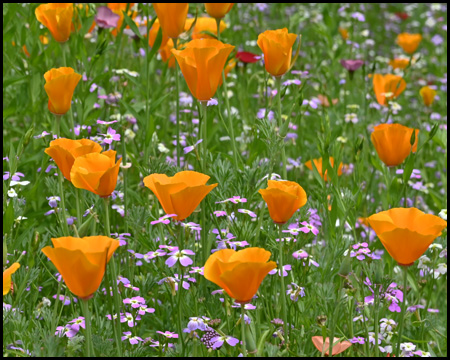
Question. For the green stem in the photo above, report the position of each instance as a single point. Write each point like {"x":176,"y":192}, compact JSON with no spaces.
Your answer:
{"x":64,"y":225}
{"x":87,"y":321}
{"x":244,"y":345}
{"x":283,"y":288}
{"x":179,"y":301}
{"x":55,"y":308}
{"x":78,"y":200}
{"x":177,"y":95}
{"x":375,"y":315}
{"x":204,"y":134}
{"x":280,"y":124}
{"x":402,"y":315}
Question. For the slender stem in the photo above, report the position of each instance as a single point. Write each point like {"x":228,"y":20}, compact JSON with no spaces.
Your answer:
{"x":179,"y":301}
{"x":87,"y":321}
{"x":204,"y":134}
{"x":244,"y":345}
{"x":55,"y":309}
{"x":124,"y":171}
{"x":375,"y":315}
{"x":283,"y":288}
{"x":64,"y":225}
{"x":402,"y":315}
{"x":177,"y":95}
{"x":78,"y":201}
{"x":280,"y":124}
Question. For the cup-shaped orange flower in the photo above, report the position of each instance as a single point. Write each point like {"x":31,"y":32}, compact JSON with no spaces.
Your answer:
{"x":65,"y":151}
{"x":172,"y":17}
{"x":96,"y":172}
{"x":283,"y":199}
{"x":181,"y":193}
{"x":337,"y":348}
{"x":409,"y":42}
{"x":166,"y":53}
{"x":59,"y":85}
{"x":239,"y":273}
{"x":218,"y":10}
{"x":428,"y":94}
{"x":322,"y":172}
{"x":393,"y":142}
{"x":202,"y":62}
{"x":387,"y":87}
{"x":154,"y":32}
{"x":56,"y":17}
{"x":406,"y":233}
{"x":7,"y":277}
{"x":399,"y":63}
{"x":277,"y":48}
{"x":204,"y":24}
{"x":81,"y":261}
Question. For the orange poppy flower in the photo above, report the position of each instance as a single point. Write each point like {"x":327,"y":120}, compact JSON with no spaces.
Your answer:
{"x":65,"y":151}
{"x":387,"y":87}
{"x":277,"y":48}
{"x":239,"y":273}
{"x":204,"y":24}
{"x":399,"y":63}
{"x":428,"y":94}
{"x":119,"y":8}
{"x":96,"y":172}
{"x":7,"y":277}
{"x":283,"y":199}
{"x":337,"y":348}
{"x":318,"y":164}
{"x":202,"y":62}
{"x":392,"y":142}
{"x":181,"y":193}
{"x":154,"y":32}
{"x":344,"y":33}
{"x":81,"y":261}
{"x":406,"y":233}
{"x":172,"y":17}
{"x":57,"y":17}
{"x":409,"y":42}
{"x":59,"y":85}
{"x":166,"y":53}
{"x":218,"y":10}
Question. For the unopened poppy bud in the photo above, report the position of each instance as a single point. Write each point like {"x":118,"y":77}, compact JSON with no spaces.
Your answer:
{"x":378,"y":274}
{"x":346,"y":267}
{"x":249,"y":339}
{"x":412,"y":140}
{"x":321,"y":320}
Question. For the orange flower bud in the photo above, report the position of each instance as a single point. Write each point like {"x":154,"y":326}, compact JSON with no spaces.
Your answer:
{"x":59,"y":85}
{"x":283,"y":199}
{"x":239,"y":273}
{"x":218,"y":10}
{"x":181,"y":193}
{"x":96,"y":172}
{"x":387,"y":87}
{"x":7,"y":277}
{"x":172,"y":17}
{"x":406,"y":233}
{"x":65,"y":151}
{"x":344,"y":33}
{"x":202,"y":62}
{"x":318,"y":164}
{"x":399,"y":63}
{"x":409,"y":42}
{"x":428,"y":95}
{"x":392,"y":142}
{"x":277,"y":48}
{"x":204,"y":24}
{"x":337,"y":348}
{"x":81,"y":261}
{"x":57,"y":17}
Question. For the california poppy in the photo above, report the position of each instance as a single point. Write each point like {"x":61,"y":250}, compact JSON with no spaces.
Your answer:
{"x":352,"y":65}
{"x":399,"y":63}
{"x":406,"y":233}
{"x":239,"y":273}
{"x":166,"y":53}
{"x":428,"y":94}
{"x":181,"y":193}
{"x":57,"y":18}
{"x":277,"y":48}
{"x":344,"y":33}
{"x":154,"y":32}
{"x":96,"y":172}
{"x":409,"y":42}
{"x":202,"y":62}
{"x":218,"y":10}
{"x":320,"y":168}
{"x":7,"y":277}
{"x":65,"y":151}
{"x":81,"y":261}
{"x":204,"y":24}
{"x":387,"y":87}
{"x":337,"y":348}
{"x":283,"y":199}
{"x":59,"y":85}
{"x":172,"y":17}
{"x":393,"y":142}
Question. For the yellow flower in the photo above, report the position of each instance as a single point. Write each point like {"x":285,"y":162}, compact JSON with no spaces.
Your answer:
{"x":428,"y":95}
{"x":59,"y":85}
{"x":277,"y":48}
{"x":409,"y":42}
{"x":57,"y":17}
{"x":406,"y":233}
{"x":172,"y":17}
{"x":81,"y":261}
{"x":239,"y":273}
{"x":7,"y":277}
{"x":283,"y":199}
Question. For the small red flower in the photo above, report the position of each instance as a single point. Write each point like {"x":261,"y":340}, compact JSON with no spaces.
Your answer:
{"x":247,"y":57}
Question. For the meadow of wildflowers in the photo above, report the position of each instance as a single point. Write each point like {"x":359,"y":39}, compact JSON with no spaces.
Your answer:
{"x":224,"y":179}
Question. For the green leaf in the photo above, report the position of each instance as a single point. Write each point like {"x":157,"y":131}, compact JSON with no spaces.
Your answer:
{"x":8,"y":218}
{"x":132,"y":26}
